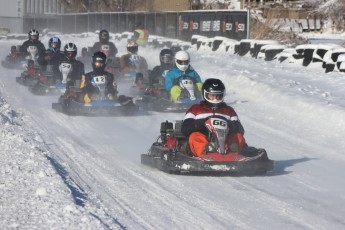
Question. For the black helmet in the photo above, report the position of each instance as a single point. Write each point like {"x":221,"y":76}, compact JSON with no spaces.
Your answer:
{"x":103,"y":36}
{"x":132,"y":47}
{"x":70,"y":50}
{"x":83,"y":51}
{"x":166,"y":56}
{"x":98,"y":62}
{"x":33,"y":35}
{"x":54,"y":44}
{"x":215,"y":87}
{"x":139,"y":25}
{"x":175,"y":49}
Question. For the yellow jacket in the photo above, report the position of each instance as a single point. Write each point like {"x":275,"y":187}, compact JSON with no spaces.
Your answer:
{"x":143,"y":37}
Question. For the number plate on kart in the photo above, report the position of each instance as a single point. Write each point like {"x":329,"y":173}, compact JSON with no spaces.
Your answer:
{"x":218,"y":123}
{"x":99,"y":80}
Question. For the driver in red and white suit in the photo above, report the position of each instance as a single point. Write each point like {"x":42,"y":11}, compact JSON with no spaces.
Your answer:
{"x":193,"y":126}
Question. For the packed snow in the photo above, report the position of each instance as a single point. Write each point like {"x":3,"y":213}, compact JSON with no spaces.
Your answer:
{"x":61,"y":172}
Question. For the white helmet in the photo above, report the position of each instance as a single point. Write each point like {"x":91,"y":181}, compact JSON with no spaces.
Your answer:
{"x":182,"y":60}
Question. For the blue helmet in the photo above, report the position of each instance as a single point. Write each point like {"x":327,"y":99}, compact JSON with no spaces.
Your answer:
{"x":54,"y":44}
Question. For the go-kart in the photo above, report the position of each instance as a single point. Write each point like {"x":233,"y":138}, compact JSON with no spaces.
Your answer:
{"x":171,"y":153}
{"x":14,"y":60}
{"x":47,"y":82}
{"x":156,"y":98}
{"x":30,"y":76}
{"x":102,"y":104}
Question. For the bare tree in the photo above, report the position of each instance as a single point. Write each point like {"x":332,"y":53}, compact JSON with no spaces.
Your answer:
{"x":334,"y":11}
{"x":72,"y":6}
{"x":195,"y":4}
{"x":75,"y":6}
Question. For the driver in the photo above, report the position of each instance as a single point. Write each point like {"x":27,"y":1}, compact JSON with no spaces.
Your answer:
{"x":88,"y":84}
{"x":182,"y":68}
{"x":32,"y":41}
{"x":132,"y":62}
{"x":105,"y":45}
{"x":193,"y":126}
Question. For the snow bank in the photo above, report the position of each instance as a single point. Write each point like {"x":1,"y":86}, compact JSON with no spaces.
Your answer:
{"x":30,"y":181}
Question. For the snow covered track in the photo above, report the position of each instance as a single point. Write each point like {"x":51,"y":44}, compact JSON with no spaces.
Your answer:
{"x":296,"y":114}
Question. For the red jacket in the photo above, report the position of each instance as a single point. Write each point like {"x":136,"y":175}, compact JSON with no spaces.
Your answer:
{"x":201,"y":111}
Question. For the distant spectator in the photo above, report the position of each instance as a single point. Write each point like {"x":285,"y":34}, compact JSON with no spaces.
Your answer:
{"x":140,"y":35}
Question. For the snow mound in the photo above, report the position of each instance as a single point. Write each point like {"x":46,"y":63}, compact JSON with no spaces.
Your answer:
{"x":28,"y":180}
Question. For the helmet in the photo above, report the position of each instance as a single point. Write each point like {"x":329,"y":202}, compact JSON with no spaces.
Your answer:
{"x":33,"y":35}
{"x":103,"y":36}
{"x":98,"y":62}
{"x":70,"y":50}
{"x":54,"y":44}
{"x":132,"y":47}
{"x":182,"y":60}
{"x":166,"y":57}
{"x":175,"y":49}
{"x":83,"y":51}
{"x":213,"y":87}
{"x":139,"y":25}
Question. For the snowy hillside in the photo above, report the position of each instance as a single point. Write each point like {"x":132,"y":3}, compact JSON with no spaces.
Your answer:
{"x":61,"y":172}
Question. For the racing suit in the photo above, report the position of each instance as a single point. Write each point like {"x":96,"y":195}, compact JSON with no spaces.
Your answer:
{"x":194,"y":128}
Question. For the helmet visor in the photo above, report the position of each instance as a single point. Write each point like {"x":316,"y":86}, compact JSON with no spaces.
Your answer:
{"x":132,"y":49}
{"x":33,"y":37}
{"x":70,"y":54}
{"x":182,"y":62}
{"x":214,"y":97}
{"x":104,"y":35}
{"x":98,"y":64}
{"x":166,"y":59}
{"x":55,"y":45}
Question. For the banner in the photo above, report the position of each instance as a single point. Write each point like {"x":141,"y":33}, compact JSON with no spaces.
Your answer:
{"x":230,"y":24}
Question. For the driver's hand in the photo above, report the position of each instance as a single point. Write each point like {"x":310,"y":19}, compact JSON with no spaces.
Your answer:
{"x":200,"y":124}
{"x":47,"y":57}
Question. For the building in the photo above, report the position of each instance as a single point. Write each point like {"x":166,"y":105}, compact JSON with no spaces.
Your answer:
{"x":11,"y":15}
{"x":12,"y":12}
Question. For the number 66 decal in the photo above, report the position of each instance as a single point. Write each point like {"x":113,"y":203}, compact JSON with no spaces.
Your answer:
{"x":219,"y":123}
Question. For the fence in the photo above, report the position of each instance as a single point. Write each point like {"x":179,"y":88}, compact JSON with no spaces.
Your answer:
{"x":180,"y":25}
{"x":12,"y":24}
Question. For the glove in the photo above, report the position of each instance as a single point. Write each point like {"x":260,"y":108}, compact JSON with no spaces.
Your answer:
{"x":235,"y":127}
{"x":199,"y":124}
{"x":176,"y":81}
{"x":47,"y":57}
{"x":110,"y":96}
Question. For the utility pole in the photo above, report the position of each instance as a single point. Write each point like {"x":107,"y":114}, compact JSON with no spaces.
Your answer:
{"x":248,"y":10}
